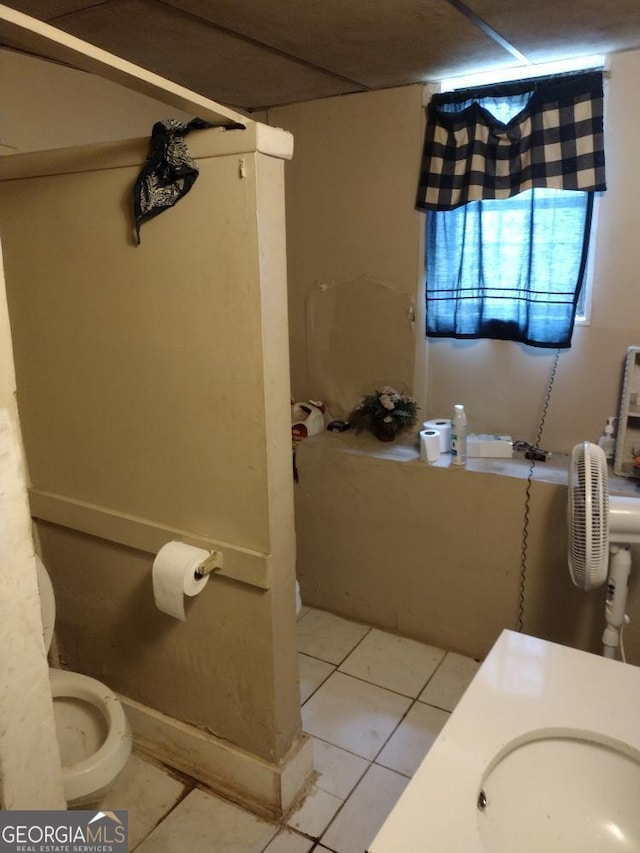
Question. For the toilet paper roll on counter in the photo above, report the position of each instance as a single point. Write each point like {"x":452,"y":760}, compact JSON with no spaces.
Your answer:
{"x":443,"y":426}
{"x":429,"y":445}
{"x":174,"y":576}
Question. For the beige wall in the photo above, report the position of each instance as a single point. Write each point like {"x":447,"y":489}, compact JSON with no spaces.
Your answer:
{"x":365,"y":549}
{"x":435,"y":554}
{"x":47,"y":105}
{"x":354,"y":242}
{"x":351,"y":225}
{"x":153,"y":386}
{"x":129,"y":347}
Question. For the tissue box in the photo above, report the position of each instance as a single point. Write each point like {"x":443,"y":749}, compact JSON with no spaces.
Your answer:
{"x":489,"y":445}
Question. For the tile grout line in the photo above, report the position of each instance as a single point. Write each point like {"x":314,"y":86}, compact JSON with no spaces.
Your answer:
{"x":375,"y":684}
{"x":344,"y":749}
{"x":283,"y":827}
{"x":351,"y":793}
{"x":189,"y":787}
{"x":372,"y":761}
{"x":342,"y":660}
{"x":405,"y":715}
{"x":342,"y":805}
{"x":360,"y":641}
{"x":315,"y":689}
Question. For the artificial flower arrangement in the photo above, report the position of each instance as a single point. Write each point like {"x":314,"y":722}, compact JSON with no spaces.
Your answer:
{"x":385,"y":413}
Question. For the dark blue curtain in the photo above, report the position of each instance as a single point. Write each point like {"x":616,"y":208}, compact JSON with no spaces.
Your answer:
{"x":510,"y":269}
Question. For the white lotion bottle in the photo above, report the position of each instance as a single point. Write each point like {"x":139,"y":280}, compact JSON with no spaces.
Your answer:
{"x":459,"y":436}
{"x":607,"y":442}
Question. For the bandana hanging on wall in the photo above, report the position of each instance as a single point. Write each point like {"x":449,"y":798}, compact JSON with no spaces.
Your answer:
{"x":169,"y":171}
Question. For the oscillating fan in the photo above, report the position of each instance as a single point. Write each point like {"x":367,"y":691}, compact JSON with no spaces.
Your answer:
{"x":601,"y":528}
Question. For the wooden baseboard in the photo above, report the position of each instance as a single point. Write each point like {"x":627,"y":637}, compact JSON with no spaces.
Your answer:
{"x":265,"y":788}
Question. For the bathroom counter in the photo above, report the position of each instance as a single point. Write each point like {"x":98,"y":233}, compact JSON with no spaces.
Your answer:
{"x":527,"y":690}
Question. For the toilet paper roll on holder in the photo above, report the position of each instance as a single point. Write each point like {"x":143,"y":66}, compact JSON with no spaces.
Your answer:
{"x":212,"y":563}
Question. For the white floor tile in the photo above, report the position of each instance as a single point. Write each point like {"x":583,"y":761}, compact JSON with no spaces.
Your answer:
{"x":408,"y":745}
{"x":287,"y":841}
{"x":450,"y":681}
{"x":352,"y":714}
{"x":312,"y":673}
{"x":328,"y":637}
{"x":365,"y":811}
{"x":315,"y":812}
{"x":203,"y":823}
{"x":338,"y":771}
{"x":147,"y":792}
{"x":393,"y":662}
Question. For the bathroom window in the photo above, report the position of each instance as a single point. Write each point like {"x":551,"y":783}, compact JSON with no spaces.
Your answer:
{"x":509,"y":179}
{"x":511,"y":269}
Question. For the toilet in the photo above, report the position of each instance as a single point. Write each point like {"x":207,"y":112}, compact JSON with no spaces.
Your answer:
{"x":94,"y":735}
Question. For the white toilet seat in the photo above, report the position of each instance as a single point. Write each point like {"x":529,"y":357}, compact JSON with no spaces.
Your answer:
{"x":86,"y":780}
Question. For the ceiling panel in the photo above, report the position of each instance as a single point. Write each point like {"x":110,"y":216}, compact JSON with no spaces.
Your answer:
{"x":378,"y":43}
{"x":197,"y":56}
{"x":44,"y":10}
{"x":554,"y":29}
{"x":253,"y":54}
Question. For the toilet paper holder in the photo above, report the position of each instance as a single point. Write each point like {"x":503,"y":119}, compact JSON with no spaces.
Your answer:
{"x":212,"y":563}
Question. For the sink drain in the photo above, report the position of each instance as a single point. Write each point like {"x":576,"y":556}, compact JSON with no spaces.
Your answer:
{"x":482,"y":801}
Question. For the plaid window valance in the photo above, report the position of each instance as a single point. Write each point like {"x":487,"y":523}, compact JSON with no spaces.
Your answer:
{"x":556,"y":140}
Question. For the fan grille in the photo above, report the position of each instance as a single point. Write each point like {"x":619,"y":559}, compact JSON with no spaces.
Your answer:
{"x":588,"y":517}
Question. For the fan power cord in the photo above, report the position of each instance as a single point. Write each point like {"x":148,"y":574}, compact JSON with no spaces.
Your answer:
{"x":535,"y":455}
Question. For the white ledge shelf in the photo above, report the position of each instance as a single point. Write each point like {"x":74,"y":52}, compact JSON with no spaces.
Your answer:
{"x":405,"y":450}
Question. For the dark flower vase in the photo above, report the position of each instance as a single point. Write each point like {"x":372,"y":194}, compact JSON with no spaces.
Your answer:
{"x":381,"y":433}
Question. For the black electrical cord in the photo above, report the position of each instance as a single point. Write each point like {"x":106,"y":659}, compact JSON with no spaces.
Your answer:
{"x":534,"y":454}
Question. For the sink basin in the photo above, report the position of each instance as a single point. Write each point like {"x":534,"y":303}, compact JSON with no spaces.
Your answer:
{"x":565,"y":793}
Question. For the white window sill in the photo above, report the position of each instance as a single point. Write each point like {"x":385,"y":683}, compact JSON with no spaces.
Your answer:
{"x":405,"y":449}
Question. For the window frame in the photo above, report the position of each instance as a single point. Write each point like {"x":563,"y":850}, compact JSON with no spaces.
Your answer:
{"x":595,"y":62}
{"x":583,"y":318}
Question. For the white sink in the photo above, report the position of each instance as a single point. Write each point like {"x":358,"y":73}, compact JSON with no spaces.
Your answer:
{"x":541,"y":755}
{"x":560,"y":794}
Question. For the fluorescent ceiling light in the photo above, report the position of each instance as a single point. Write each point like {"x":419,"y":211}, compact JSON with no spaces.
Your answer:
{"x":522,"y":72}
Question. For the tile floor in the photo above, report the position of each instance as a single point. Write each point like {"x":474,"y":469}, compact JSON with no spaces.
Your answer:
{"x":373,"y":703}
